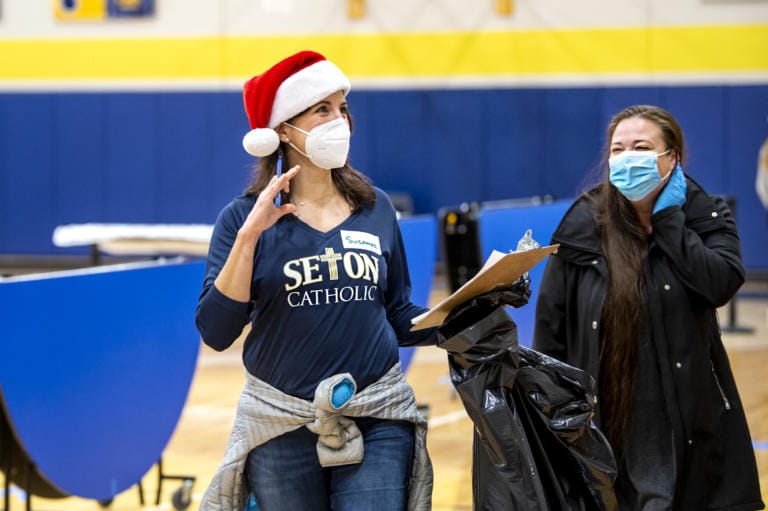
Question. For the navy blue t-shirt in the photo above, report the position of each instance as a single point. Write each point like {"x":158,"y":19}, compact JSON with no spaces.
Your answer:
{"x":322,"y":303}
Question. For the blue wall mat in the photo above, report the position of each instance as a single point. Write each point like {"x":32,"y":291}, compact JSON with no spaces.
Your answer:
{"x":615,"y":99}
{"x":200,"y":155}
{"x":571,"y":141}
{"x":162,"y":157}
{"x":28,"y":180}
{"x":704,"y":107}
{"x":420,"y":242}
{"x":746,"y":128}
{"x":453,"y":155}
{"x":131,"y":171}
{"x":183,"y":120}
{"x":79,"y":157}
{"x":512,"y":152}
{"x":230,"y":167}
{"x":500,"y":229}
{"x":95,"y":367}
{"x":389,"y":142}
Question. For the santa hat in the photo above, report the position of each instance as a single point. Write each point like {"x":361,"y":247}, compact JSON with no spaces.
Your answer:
{"x":284,"y":91}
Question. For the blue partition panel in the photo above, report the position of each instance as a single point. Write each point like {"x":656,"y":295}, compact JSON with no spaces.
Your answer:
{"x":501,"y":228}
{"x":95,"y":367}
{"x":420,"y":241}
{"x":173,"y":156}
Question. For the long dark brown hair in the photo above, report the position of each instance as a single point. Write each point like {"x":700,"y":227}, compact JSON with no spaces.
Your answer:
{"x":353,"y":184}
{"x":624,"y":243}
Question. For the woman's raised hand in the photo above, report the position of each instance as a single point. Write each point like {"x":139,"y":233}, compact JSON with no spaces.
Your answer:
{"x":265,"y":213}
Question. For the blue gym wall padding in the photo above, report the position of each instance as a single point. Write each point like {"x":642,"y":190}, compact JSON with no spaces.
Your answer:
{"x":163,"y":157}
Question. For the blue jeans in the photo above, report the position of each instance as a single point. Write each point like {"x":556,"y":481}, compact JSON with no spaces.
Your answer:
{"x":285,"y":474}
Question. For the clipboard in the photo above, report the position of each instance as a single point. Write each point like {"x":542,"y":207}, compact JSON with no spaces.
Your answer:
{"x":499,"y":270}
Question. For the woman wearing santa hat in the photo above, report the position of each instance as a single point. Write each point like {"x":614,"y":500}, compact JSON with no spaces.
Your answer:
{"x":311,"y":259}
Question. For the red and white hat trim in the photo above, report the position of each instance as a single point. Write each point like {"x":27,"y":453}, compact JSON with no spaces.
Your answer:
{"x":299,"y":86}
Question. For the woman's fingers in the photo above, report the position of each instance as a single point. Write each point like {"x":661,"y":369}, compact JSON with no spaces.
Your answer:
{"x":265,"y":212}
{"x":285,"y":179}
{"x":278,"y":183}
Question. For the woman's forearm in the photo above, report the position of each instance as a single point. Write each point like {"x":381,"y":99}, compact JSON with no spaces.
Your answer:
{"x":234,"y":280}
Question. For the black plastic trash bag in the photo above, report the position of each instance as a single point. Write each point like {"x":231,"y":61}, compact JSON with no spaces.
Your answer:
{"x":536,"y":446}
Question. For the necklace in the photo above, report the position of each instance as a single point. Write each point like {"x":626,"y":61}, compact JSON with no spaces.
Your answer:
{"x":299,"y":202}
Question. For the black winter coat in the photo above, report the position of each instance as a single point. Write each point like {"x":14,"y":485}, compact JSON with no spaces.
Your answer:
{"x":694,"y":266}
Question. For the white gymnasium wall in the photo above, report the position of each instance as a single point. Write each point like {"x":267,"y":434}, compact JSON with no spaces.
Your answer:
{"x":21,"y":19}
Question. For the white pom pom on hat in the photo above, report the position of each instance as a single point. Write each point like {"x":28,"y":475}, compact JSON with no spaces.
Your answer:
{"x":261,"y":142}
{"x":284,"y":91}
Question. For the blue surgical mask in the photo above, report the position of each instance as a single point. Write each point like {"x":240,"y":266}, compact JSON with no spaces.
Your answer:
{"x":636,"y":173}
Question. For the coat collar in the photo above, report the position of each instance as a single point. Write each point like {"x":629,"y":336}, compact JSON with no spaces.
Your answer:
{"x":579,"y":234}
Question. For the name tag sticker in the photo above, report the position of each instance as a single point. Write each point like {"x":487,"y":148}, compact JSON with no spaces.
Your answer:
{"x":361,"y":240}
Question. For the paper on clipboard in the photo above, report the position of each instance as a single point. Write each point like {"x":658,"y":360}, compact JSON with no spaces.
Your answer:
{"x":499,"y":270}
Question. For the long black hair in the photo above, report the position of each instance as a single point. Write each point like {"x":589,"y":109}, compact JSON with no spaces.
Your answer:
{"x":625,"y":247}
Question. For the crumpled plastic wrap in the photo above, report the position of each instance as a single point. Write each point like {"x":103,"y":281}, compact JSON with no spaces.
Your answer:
{"x":536,"y":447}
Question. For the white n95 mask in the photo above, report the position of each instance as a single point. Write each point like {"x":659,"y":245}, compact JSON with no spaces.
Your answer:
{"x":327,"y":145}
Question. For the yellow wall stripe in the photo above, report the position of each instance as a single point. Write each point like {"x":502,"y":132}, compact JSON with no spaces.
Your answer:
{"x":424,"y":55}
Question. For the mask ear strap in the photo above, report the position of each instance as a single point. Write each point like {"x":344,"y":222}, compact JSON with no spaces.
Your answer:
{"x":674,"y":167}
{"x":295,"y":127}
{"x":672,"y":171}
{"x":677,"y":161}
